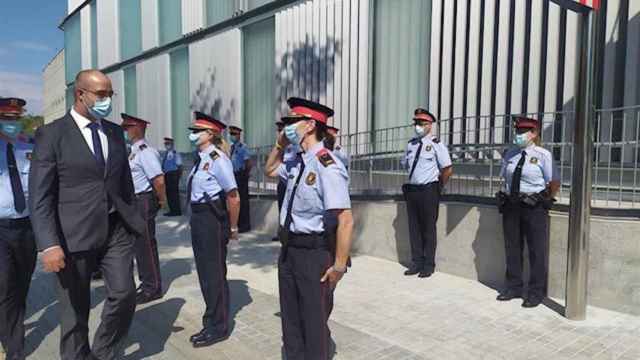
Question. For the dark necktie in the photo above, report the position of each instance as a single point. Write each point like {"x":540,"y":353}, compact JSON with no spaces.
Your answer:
{"x":97,"y":145}
{"x":517,"y":174}
{"x":415,"y":160}
{"x":16,"y":185}
{"x":289,"y":218}
{"x":190,"y":182}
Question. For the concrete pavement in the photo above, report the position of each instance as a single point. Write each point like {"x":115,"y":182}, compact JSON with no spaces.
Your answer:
{"x":379,"y":314}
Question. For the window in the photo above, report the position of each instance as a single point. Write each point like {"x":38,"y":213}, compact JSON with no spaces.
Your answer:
{"x":259,"y":82}
{"x":219,"y":11}
{"x":130,"y":28}
{"x":72,"y":48}
{"x":402,"y":44}
{"x":169,"y":20}
{"x":94,"y":35}
{"x":130,"y":91}
{"x":180,"y":109}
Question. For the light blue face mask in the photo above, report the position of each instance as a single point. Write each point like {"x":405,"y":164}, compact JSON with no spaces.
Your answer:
{"x":290,"y":131}
{"x":100,"y":109}
{"x":193,"y":137}
{"x":521,"y":140}
{"x":233,"y":139}
{"x":126,"y":138}
{"x":11,"y":128}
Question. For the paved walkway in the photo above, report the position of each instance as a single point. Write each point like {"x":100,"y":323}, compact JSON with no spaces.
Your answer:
{"x":379,"y":314}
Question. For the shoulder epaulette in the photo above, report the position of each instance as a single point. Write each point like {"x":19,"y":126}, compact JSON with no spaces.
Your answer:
{"x":214,"y":155}
{"x":436,"y":140}
{"x":414,"y":141}
{"x":142,"y":146}
{"x":325,"y":157}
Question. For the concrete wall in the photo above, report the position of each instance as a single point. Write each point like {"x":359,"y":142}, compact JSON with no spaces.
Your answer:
{"x":471,"y":245}
{"x":54,"y":89}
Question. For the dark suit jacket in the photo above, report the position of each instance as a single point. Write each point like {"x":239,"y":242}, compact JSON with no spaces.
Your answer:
{"x":68,"y":193}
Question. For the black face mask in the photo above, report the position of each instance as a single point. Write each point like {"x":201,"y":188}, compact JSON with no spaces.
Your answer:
{"x":329,"y":142}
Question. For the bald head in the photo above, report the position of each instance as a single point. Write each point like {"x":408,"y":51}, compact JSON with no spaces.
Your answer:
{"x":90,"y":85}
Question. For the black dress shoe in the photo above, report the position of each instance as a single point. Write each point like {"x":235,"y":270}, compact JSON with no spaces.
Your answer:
{"x":197,"y":335}
{"x":207,"y":339}
{"x":143,"y":297}
{"x":531,"y":303}
{"x":97,"y":275}
{"x":508,"y":295}
{"x":425,"y":274}
{"x":412,"y":271}
{"x":275,"y":238}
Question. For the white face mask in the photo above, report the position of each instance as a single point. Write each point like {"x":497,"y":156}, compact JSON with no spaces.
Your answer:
{"x":420,"y":130}
{"x":194,"y":137}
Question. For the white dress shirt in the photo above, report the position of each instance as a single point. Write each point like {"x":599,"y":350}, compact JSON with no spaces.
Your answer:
{"x":83,"y":125}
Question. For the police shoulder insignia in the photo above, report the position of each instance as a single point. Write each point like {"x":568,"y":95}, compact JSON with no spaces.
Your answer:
{"x":325,"y":157}
{"x":214,"y":155}
{"x":206,"y":167}
{"x":427,"y":148}
{"x":311,"y":178}
{"x":436,"y":140}
{"x":142,"y":147}
{"x":29,"y":156}
{"x":534,"y":160}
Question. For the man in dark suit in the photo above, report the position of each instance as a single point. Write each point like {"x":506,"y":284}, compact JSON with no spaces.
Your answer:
{"x":84,"y":218}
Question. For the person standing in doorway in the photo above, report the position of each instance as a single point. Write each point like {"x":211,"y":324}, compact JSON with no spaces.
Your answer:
{"x":241,"y":159}
{"x":429,"y":166}
{"x":172,"y":168}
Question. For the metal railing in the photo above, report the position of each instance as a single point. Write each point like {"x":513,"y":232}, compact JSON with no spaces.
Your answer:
{"x":476,"y":145}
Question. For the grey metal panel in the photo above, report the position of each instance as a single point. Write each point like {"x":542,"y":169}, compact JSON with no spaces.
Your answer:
{"x":153,"y":86}
{"x":108,"y":33}
{"x":149,"y":24}
{"x":85,"y":36}
{"x":193,"y":14}
{"x":117,"y":83}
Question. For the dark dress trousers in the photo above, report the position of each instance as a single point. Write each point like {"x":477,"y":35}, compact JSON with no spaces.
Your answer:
{"x":89,"y":211}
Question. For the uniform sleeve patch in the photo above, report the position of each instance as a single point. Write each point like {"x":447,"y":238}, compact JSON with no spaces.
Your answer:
{"x":29,"y":156}
{"x":436,"y":140}
{"x":325,"y":157}
{"x":214,"y":155}
{"x":143,"y":146}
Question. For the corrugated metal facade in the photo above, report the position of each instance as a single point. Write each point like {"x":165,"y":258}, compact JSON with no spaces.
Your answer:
{"x":216,"y":76}
{"x":153,"y":96}
{"x":322,"y":54}
{"x":486,"y":57}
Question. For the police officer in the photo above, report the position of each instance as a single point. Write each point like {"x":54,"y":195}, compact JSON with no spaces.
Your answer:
{"x":531,"y":183}
{"x":309,"y":266}
{"x":17,"y":241}
{"x":215,"y":204}
{"x":149,"y":186}
{"x":241,"y":160}
{"x":330,"y":143}
{"x":429,"y":166}
{"x":289,"y":154}
{"x":172,"y":168}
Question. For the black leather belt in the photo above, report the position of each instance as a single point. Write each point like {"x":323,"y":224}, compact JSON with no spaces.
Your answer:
{"x":15,"y":223}
{"x":146,"y":193}
{"x":419,"y":187}
{"x":307,"y":241}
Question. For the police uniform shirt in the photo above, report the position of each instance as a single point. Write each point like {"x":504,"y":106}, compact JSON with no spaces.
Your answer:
{"x":239,"y":154}
{"x":213,"y":175}
{"x":537,"y":170}
{"x":434,"y":156}
{"x":324,"y":185}
{"x":144,"y":162}
{"x":290,"y":153}
{"x":22,"y":153}
{"x":338,"y":151}
{"x":172,"y":161}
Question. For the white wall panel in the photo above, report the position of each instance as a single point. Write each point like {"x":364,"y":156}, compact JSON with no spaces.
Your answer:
{"x":149,"y":24}
{"x":487,"y":68}
{"x":215,"y":76}
{"x":72,"y":5}
{"x":518,"y":56}
{"x":552,"y":59}
{"x":325,"y":46}
{"x":193,"y":14}
{"x":117,"y":83}
{"x":434,"y":63}
{"x":153,"y":90}
{"x":535,"y":57}
{"x":85,"y":36}
{"x":108,"y":33}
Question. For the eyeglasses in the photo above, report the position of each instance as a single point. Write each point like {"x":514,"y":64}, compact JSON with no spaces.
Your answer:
{"x":101,"y":93}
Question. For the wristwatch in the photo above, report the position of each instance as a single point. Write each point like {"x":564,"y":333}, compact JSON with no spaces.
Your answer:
{"x":340,"y":270}
{"x":234,"y":229}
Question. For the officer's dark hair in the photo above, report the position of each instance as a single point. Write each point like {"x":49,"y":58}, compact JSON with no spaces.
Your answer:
{"x":321,"y":130}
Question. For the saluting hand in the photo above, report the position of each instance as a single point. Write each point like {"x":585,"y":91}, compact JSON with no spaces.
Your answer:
{"x":332,"y":276}
{"x":53,"y":259}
